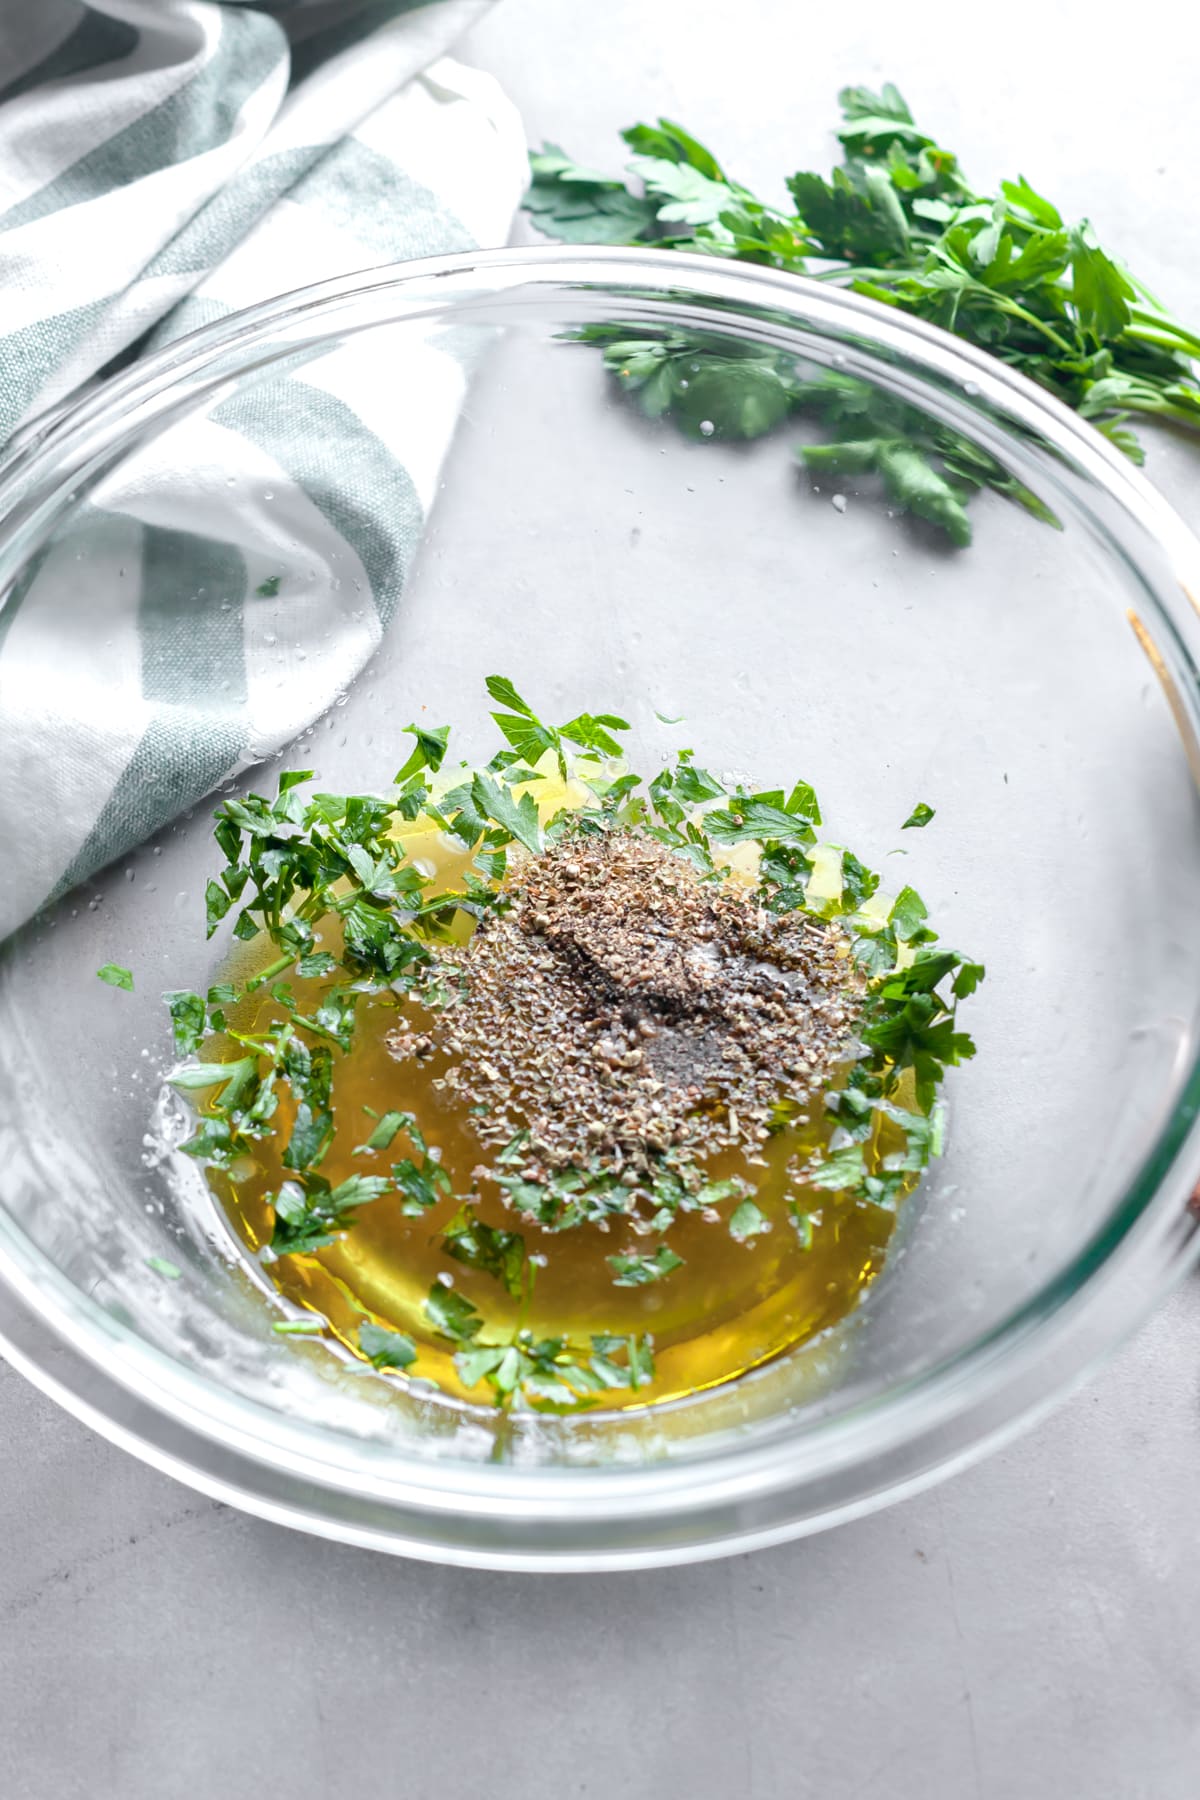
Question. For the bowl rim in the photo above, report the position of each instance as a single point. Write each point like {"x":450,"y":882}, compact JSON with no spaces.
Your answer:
{"x":742,"y":1494}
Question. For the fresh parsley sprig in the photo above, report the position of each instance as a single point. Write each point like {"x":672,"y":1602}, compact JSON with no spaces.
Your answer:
{"x":896,"y":220}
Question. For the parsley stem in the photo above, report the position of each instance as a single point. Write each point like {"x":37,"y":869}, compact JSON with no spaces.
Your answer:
{"x":530,"y":1273}
{"x":1016,"y":311}
{"x":1002,"y":302}
{"x":262,"y":1046}
{"x":1163,"y":330}
{"x":1159,"y":408}
{"x":330,"y":1037}
{"x":268,"y":974}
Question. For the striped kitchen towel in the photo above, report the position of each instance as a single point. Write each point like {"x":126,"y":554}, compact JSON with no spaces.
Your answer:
{"x":162,"y":163}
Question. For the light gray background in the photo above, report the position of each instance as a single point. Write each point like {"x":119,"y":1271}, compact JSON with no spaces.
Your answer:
{"x":1031,"y":1629}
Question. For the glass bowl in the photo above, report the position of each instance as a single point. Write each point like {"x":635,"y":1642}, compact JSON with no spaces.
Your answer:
{"x":1038,"y":688}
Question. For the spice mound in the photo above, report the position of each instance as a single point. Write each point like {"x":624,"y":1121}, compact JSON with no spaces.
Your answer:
{"x":624,"y":1009}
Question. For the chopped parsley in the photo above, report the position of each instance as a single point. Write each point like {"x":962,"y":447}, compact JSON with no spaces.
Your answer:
{"x":747,"y":1221}
{"x":550,"y":1374}
{"x":386,"y":1349}
{"x":636,"y":1270}
{"x":325,"y":881}
{"x":498,"y":1253}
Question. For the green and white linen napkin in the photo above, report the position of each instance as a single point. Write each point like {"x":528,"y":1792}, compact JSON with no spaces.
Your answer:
{"x":162,"y":163}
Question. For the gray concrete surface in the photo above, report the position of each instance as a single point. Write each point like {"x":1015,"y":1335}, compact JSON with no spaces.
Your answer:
{"x":1030,"y":1630}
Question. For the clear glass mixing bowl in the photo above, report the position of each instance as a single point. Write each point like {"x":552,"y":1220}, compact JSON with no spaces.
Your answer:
{"x":1038,"y":688}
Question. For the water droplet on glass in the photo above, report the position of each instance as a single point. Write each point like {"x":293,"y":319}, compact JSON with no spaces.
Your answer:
{"x":839,"y":502}
{"x":970,"y":388}
{"x":706,"y":428}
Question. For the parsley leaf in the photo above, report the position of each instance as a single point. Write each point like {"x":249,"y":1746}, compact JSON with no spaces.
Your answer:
{"x":498,"y":1253}
{"x":386,"y":1349}
{"x":386,"y":1130}
{"x":908,"y":914}
{"x":968,"y":979}
{"x":842,"y":1168}
{"x":581,"y":207}
{"x":451,"y":1314}
{"x":747,"y":1221}
{"x":309,"y":1216}
{"x":636,"y":1270}
{"x":518,"y":818}
{"x":420,"y":1185}
{"x":189,"y":1019}
{"x":429,"y":751}
{"x":918,"y":817}
{"x":116,"y":976}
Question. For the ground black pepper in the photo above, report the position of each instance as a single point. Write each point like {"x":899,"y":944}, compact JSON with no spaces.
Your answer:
{"x":624,"y":1008}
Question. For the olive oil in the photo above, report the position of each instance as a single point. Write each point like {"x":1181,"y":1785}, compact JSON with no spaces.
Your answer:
{"x":730,"y":1307}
